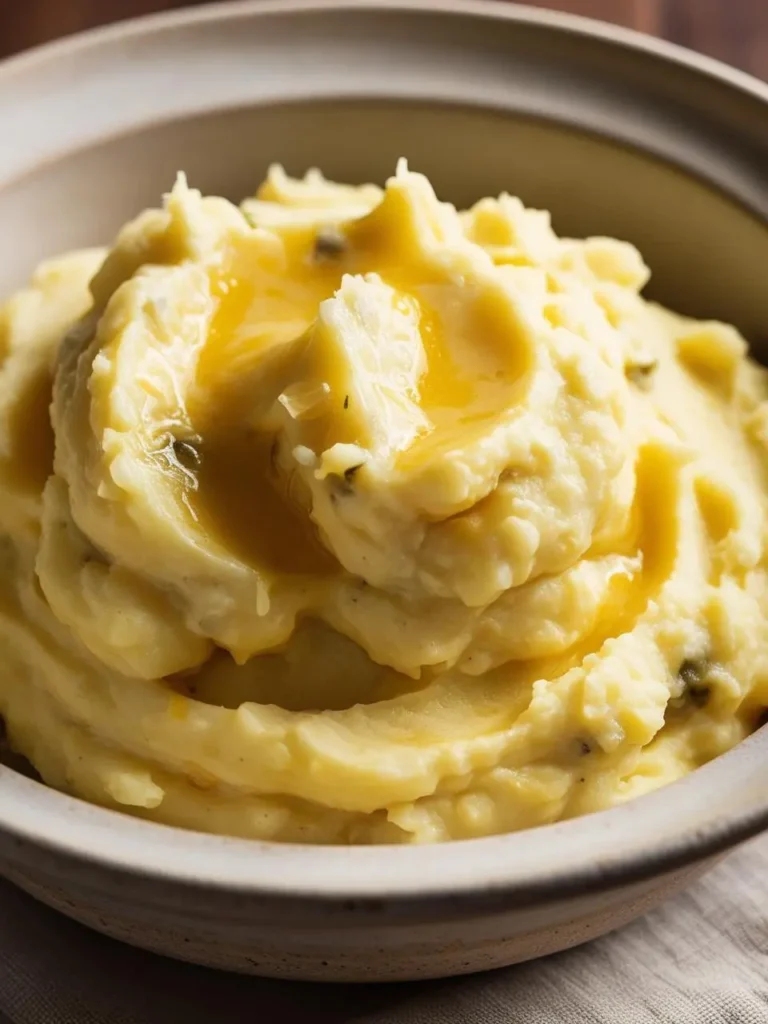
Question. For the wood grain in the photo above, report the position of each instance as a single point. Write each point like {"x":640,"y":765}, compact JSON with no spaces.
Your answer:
{"x":733,"y":30}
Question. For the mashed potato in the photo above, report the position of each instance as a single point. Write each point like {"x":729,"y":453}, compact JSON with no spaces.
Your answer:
{"x":358,"y":519}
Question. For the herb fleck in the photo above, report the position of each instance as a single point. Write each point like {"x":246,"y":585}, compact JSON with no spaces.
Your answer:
{"x":693,"y":676}
{"x":584,"y":748}
{"x":330,"y":244}
{"x":346,"y":401}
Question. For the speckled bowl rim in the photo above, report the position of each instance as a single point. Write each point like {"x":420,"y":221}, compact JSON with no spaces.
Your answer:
{"x":712,"y":809}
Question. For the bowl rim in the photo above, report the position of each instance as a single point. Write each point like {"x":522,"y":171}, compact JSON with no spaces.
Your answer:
{"x":604,"y":850}
{"x":511,"y":10}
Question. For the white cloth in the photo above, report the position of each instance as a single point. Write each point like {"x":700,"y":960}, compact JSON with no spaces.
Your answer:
{"x":700,"y":959}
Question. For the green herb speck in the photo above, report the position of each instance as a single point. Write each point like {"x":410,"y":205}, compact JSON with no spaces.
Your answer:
{"x":692,"y":674}
{"x":330,"y":244}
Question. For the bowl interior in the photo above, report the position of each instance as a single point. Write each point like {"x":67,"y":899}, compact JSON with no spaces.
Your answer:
{"x":706,"y":252}
{"x":71,"y":184}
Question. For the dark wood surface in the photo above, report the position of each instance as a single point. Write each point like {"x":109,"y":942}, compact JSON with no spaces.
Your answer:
{"x":733,"y":30}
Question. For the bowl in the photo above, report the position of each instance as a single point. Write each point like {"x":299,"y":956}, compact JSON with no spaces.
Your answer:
{"x":615,"y":134}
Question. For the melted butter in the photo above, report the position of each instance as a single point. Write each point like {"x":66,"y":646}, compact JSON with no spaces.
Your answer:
{"x":658,"y":490}
{"x":259,"y":306}
{"x":385,"y":239}
{"x":658,"y":532}
{"x":475,"y":364}
{"x":245,"y":503}
{"x":474,"y":367}
{"x":238,"y":495}
{"x":444,"y":386}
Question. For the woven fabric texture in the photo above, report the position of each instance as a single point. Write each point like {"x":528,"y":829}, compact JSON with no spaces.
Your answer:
{"x":700,"y":959}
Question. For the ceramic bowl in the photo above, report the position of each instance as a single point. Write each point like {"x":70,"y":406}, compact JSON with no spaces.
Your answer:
{"x":616,"y":134}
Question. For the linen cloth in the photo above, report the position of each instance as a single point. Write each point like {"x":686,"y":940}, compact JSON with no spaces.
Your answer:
{"x":702,"y":958}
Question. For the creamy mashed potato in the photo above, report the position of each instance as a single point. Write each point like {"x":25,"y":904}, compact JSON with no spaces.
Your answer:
{"x":344,"y":516}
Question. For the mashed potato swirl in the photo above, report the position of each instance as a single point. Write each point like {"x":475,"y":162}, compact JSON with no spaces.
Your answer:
{"x":360,"y":519}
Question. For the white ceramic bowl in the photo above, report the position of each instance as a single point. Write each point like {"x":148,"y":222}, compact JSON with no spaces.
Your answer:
{"x":615,"y":134}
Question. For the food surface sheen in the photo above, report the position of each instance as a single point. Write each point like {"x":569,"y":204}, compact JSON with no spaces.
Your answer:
{"x":344,"y":516}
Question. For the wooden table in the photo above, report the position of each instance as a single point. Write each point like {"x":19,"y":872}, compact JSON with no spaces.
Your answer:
{"x":733,"y":30}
